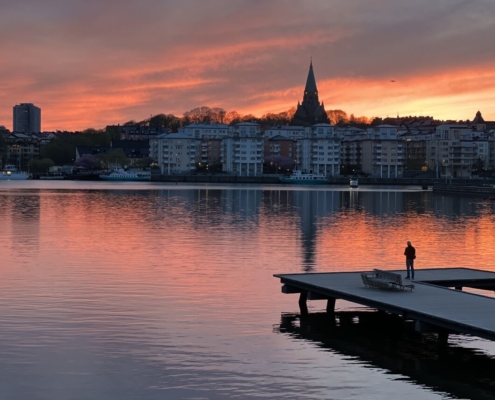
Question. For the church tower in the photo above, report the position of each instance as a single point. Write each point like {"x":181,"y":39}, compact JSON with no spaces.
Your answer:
{"x":310,"y":111}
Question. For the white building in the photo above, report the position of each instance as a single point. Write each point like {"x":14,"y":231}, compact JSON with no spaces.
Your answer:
{"x":383,"y":132}
{"x":482,"y":149}
{"x":451,"y":151}
{"x":242,"y":151}
{"x":290,"y":132}
{"x":27,"y":118}
{"x":175,"y":153}
{"x":320,"y":151}
{"x":206,"y":131}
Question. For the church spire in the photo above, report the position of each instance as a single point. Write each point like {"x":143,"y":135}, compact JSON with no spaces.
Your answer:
{"x":310,"y":111}
{"x":311,"y":81}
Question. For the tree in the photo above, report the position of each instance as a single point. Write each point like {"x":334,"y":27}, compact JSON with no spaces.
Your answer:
{"x":61,"y":151}
{"x":143,"y":162}
{"x":40,"y":166}
{"x":116,"y":157}
{"x":337,"y":117}
{"x":233,"y":117}
{"x":200,"y":115}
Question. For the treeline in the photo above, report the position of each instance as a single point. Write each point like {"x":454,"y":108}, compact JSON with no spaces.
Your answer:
{"x":216,"y":115}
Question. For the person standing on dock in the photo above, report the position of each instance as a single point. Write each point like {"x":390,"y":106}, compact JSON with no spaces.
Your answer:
{"x":410,"y":254}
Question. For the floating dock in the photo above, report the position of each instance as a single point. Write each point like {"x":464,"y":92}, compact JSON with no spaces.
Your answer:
{"x":437,"y":303}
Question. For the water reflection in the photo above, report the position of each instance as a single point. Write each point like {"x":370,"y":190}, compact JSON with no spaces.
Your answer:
{"x":377,"y":340}
{"x":131,"y":289}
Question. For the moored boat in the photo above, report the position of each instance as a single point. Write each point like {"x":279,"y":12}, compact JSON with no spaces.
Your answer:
{"x":297,"y":177}
{"x":123,"y":175}
{"x":10,"y":172}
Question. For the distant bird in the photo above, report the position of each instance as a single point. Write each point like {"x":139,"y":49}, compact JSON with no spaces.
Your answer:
{"x":392,"y":81}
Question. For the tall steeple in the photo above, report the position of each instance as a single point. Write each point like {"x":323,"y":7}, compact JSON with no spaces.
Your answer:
{"x":310,"y":111}
{"x":311,"y":81}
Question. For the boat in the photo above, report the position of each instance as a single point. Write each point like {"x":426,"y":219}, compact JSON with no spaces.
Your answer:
{"x":354,"y":183}
{"x":10,"y":172}
{"x":297,"y":177}
{"x":123,"y":175}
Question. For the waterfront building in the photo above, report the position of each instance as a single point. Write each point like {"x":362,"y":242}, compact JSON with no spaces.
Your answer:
{"x":350,"y":132}
{"x":351,"y":157}
{"x":206,"y":131}
{"x":135,"y":150}
{"x":280,"y":146}
{"x":136,"y":131}
{"x":452,"y":151}
{"x":310,"y":111}
{"x":242,"y":151}
{"x":92,"y":150}
{"x":292,"y":132}
{"x":382,"y":158}
{"x":210,"y":153}
{"x":320,"y":152}
{"x":383,"y":132}
{"x":175,"y":153}
{"x":20,"y":148}
{"x":415,"y":155}
{"x":27,"y":118}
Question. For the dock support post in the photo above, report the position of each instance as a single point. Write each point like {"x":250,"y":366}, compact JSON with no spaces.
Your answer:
{"x":331,"y":305}
{"x":443,"y":338}
{"x":302,"y":303}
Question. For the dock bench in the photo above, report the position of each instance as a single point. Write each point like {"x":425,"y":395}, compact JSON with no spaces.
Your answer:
{"x":380,"y":279}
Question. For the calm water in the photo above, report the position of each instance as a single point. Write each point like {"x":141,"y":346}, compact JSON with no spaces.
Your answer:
{"x":144,"y":291}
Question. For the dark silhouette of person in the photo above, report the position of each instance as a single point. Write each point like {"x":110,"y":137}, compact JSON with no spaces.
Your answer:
{"x":410,"y":253}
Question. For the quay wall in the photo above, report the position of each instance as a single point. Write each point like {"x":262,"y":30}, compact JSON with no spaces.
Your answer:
{"x":273,"y":179}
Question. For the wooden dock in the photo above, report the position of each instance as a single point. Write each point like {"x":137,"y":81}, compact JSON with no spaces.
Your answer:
{"x":436,"y":304}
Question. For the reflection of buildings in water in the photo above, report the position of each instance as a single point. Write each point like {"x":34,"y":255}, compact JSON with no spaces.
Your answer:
{"x":25,"y":229}
{"x":374,"y":202}
{"x":384,"y":341}
{"x":245,"y":202}
{"x":459,"y":205}
{"x":313,"y":206}
{"x":211,"y":206}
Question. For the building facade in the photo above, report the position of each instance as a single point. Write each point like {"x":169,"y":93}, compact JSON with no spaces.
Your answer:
{"x":242,"y":151}
{"x":175,"y":153}
{"x":27,"y":118}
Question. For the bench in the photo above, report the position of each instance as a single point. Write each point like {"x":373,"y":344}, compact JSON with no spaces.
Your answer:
{"x":384,"y":280}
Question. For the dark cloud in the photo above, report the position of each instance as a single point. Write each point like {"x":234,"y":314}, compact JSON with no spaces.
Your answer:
{"x":128,"y":59}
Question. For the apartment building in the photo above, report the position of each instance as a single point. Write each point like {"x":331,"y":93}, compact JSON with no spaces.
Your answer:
{"x":175,"y":153}
{"x":27,"y":118}
{"x":242,"y":151}
{"x":319,"y":150}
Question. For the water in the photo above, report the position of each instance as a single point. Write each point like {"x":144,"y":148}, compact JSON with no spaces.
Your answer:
{"x":155,"y":291}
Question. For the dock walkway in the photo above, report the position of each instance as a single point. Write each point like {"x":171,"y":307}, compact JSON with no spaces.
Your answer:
{"x":433,"y":304}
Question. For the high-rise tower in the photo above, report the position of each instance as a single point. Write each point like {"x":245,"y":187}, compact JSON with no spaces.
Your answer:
{"x":27,"y":118}
{"x":310,"y":111}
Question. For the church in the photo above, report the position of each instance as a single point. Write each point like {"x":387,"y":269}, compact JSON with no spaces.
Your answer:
{"x":310,"y":111}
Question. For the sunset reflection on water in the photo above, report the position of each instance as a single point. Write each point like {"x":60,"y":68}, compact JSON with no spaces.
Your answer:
{"x":131,"y":289}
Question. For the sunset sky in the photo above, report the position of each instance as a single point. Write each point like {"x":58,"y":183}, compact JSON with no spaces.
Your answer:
{"x":92,"y":63}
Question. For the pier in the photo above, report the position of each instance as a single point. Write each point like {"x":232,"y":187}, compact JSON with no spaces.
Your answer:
{"x":437,"y":303}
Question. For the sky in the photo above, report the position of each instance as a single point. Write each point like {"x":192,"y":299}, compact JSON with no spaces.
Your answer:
{"x":92,"y":63}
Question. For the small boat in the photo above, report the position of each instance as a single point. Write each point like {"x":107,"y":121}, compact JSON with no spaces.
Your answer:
{"x":297,"y":177}
{"x":354,"y":183}
{"x":10,"y":173}
{"x":123,"y":175}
